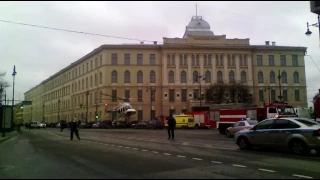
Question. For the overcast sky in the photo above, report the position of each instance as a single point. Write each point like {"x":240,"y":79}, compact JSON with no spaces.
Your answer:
{"x":39,"y":53}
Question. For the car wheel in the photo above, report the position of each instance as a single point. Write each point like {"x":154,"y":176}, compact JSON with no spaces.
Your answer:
{"x":243,"y":143}
{"x":299,"y":147}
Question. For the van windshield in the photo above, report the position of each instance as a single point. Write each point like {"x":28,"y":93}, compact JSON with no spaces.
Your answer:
{"x":285,"y":110}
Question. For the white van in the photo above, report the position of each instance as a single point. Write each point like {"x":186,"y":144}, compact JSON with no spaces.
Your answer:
{"x":303,"y":112}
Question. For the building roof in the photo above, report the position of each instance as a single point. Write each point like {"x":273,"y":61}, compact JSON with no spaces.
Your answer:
{"x":198,"y":27}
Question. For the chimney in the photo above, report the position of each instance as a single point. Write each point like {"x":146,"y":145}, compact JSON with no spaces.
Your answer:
{"x":141,"y":42}
{"x":155,"y":42}
{"x":273,"y":43}
{"x":267,"y":43}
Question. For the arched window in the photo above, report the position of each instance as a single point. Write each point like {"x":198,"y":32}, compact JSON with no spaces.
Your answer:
{"x":152,"y":77}
{"x":220,"y":76}
{"x":231,"y":77}
{"x":126,"y":76}
{"x":208,"y":77}
{"x":171,"y":77}
{"x":114,"y":77}
{"x":296,"y":77}
{"x":183,"y":77}
{"x":260,"y":77}
{"x":195,"y":76}
{"x":284,"y":77}
{"x":243,"y":77}
{"x":272,"y":77}
{"x":139,"y":77}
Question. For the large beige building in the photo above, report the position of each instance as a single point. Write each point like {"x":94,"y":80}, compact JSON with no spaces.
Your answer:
{"x":171,"y":70}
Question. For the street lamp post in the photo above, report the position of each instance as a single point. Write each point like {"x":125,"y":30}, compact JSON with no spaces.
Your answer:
{"x":13,"y":75}
{"x":200,"y":79}
{"x":87,"y":94}
{"x":308,"y":33}
{"x":59,"y":110}
{"x":279,"y":77}
{"x":152,"y":90}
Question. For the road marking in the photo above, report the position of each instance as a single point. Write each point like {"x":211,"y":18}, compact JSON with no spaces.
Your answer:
{"x":139,"y":139}
{"x":266,"y":170}
{"x":106,"y":144}
{"x":127,"y":147}
{"x":134,"y":148}
{"x":155,"y":152}
{"x":120,"y":146}
{"x":302,"y":176}
{"x":144,"y":150}
{"x":181,"y":156}
{"x":237,"y":165}
{"x":101,"y":143}
{"x":208,"y":145}
{"x":167,"y":154}
{"x":198,"y":159}
{"x":217,"y":162}
{"x":112,"y":145}
{"x":54,"y":134}
{"x":185,"y":143}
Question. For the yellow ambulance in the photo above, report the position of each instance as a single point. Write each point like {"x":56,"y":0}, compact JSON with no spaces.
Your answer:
{"x":183,"y":121}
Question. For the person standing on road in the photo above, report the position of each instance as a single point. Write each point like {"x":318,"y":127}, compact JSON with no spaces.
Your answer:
{"x":74,"y":129}
{"x":171,"y":121}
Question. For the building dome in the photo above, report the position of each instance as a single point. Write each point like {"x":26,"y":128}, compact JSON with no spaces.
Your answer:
{"x":198,"y":27}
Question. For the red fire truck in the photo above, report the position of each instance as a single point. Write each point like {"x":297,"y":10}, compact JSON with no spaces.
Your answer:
{"x":224,"y":118}
{"x":316,"y":107}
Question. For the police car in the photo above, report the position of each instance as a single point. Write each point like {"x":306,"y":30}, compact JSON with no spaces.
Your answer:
{"x":299,"y":135}
{"x":244,"y":123}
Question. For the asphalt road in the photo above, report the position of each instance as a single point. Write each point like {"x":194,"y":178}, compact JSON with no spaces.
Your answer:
{"x":49,"y":153}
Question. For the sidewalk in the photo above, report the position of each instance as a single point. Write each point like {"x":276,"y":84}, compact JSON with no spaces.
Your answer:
{"x":8,"y":135}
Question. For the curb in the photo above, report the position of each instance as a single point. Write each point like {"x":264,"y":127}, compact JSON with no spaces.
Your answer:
{"x":8,"y":137}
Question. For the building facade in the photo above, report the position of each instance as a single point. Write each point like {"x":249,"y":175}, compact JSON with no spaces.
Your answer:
{"x":163,"y":78}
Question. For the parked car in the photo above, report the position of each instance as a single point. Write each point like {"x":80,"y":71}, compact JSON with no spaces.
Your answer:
{"x":105,"y":124}
{"x":155,"y":124}
{"x":240,"y":125}
{"x":140,"y":125}
{"x":119,"y":124}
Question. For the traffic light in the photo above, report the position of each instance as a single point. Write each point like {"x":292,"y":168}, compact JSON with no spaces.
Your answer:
{"x":21,"y":107}
{"x":97,"y":116}
{"x":105,"y":104}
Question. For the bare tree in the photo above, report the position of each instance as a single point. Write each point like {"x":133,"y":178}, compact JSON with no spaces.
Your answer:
{"x":3,"y":84}
{"x":243,"y":94}
{"x":216,"y":93}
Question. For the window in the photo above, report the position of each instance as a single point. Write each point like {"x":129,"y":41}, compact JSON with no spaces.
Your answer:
{"x":139,"y":59}
{"x":87,"y":67}
{"x":153,"y":95}
{"x":114,"y":96}
{"x":139,"y":77}
{"x":171,"y":95}
{"x":208,"y":77}
{"x":297,"y":95}
{"x":100,"y":60}
{"x":285,"y":95}
{"x":183,"y":77}
{"x":284,"y":124}
{"x":233,"y":61}
{"x":265,"y":125}
{"x":217,"y":60}
{"x":114,"y":59}
{"x":100,"y":77}
{"x":231,"y":77}
{"x":219,"y":75}
{"x":127,"y":93}
{"x":271,"y":60}
{"x":152,"y":77}
{"x":168,"y":60}
{"x":185,"y":60}
{"x":95,"y":80}
{"x":296,"y":77}
{"x":205,"y":59}
{"x":209,"y":60}
{"x":273,"y":95}
{"x":240,"y":60}
{"x":183,"y":95}
{"x":196,"y":94}
{"x":152,"y":59}
{"x":197,"y":60}
{"x":245,"y":60}
{"x":193,"y":60}
{"x":229,"y":60}
{"x":195,"y":76}
{"x":114,"y":77}
{"x":284,"y":77}
{"x":127,"y":59}
{"x":82,"y":84}
{"x":243,"y":77}
{"x":173,"y":60}
{"x":242,"y":124}
{"x":260,"y":77}
{"x":91,"y":65}
{"x":87,"y":83}
{"x":153,"y":114}
{"x":259,"y":60}
{"x":171,"y":77}
{"x":272,"y":77}
{"x":294,"y":60}
{"x":127,"y":77}
{"x":261,"y":95}
{"x":140,"y":96}
{"x":140,"y":115}
{"x":307,"y":122}
{"x":283,"y":61}
{"x":90,"y":81}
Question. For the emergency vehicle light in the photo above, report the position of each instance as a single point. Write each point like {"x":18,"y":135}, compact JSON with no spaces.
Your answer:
{"x":276,"y":116}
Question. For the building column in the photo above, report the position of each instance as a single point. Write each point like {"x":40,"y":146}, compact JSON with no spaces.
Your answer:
{"x":201,"y":65}
{"x":238,"y":75}
{"x":177,"y":62}
{"x":249,"y":60}
{"x":214,"y":69}
{"x":189,"y":73}
{"x":164,"y":69}
{"x":225,"y":67}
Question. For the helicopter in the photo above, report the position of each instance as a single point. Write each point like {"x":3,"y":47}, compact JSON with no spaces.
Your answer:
{"x":124,"y":110}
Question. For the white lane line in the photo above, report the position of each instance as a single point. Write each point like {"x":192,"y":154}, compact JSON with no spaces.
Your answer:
{"x":302,"y":176}
{"x":134,"y":148}
{"x":139,"y":139}
{"x":54,"y":134}
{"x":267,"y":170}
{"x":155,"y":152}
{"x":181,"y":156}
{"x":112,"y":145}
{"x":217,"y":162}
{"x":145,"y":150}
{"x":167,"y":154}
{"x":127,"y":147}
{"x":237,"y":165}
{"x":185,"y":143}
{"x":106,"y":144}
{"x":198,"y":159}
{"x":101,"y":143}
{"x":119,"y":146}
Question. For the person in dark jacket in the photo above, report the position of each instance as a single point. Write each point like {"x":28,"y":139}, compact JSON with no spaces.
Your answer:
{"x":74,"y":129}
{"x":171,"y":126}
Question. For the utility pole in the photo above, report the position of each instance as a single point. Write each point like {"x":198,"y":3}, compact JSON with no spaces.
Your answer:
{"x":200,"y":79}
{"x":87,"y":94}
{"x":13,"y":75}
{"x":152,"y":98}
{"x":279,"y":77}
